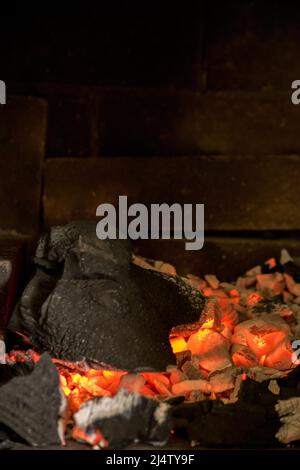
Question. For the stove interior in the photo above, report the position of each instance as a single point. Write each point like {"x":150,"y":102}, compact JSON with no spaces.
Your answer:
{"x":117,"y":343}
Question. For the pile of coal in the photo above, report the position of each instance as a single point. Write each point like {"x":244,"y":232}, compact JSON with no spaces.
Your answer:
{"x":124,"y":419}
{"x":88,"y":301}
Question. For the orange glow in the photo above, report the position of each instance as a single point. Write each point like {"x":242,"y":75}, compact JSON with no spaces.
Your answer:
{"x":202,"y":333}
{"x":79,"y":387}
{"x":227,"y":333}
{"x":208,"y":323}
{"x":260,"y":342}
{"x":234,"y":293}
{"x":95,"y":438}
{"x":254,"y":298}
{"x":271,"y":263}
{"x":108,"y":374}
{"x":178,"y":344}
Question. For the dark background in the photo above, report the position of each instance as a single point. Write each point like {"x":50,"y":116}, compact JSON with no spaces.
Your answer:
{"x":159,"y":83}
{"x":200,"y":96}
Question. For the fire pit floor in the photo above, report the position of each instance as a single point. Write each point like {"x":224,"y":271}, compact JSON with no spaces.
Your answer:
{"x":234,"y":381}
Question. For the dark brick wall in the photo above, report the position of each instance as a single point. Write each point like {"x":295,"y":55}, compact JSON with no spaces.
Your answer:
{"x":175,"y":84}
{"x":253,"y":45}
{"x":209,"y":81}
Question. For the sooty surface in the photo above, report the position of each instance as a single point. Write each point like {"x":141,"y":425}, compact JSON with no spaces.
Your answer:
{"x":88,"y":301}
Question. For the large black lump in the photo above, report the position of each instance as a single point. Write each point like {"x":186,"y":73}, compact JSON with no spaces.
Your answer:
{"x":30,"y":405}
{"x":88,"y":301}
{"x":126,"y":418}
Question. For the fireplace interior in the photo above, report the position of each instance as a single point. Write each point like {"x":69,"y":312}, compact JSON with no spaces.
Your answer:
{"x":129,"y":344}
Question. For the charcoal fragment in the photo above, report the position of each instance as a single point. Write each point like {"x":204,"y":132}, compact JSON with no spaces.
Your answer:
{"x":30,"y":405}
{"x":126,"y":418}
{"x":87,"y":301}
{"x":19,"y":369}
{"x":293,"y":270}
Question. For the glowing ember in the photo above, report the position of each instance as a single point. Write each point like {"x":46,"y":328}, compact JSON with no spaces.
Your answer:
{"x":242,"y":331}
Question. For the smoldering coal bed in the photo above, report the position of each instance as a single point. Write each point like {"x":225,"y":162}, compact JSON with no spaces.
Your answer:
{"x":119,"y":349}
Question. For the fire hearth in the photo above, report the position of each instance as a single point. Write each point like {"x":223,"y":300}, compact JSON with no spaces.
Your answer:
{"x":126,"y":350}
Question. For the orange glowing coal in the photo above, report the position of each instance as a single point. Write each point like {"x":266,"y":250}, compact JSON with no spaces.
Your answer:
{"x":230,"y":340}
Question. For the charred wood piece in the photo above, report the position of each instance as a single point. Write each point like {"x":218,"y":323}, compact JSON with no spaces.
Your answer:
{"x":30,"y":406}
{"x":124,"y":419}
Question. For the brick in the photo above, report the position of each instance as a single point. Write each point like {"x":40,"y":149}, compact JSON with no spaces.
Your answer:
{"x":68,"y":132}
{"x":247,"y":123}
{"x":239,"y":192}
{"x":135,"y":122}
{"x":22,"y":144}
{"x":252,"y":45}
{"x":226,"y":257}
{"x":138,"y":122}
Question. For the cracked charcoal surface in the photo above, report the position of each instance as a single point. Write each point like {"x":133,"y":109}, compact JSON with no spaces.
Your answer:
{"x":8,"y":372}
{"x":87,"y":301}
{"x":29,"y":405}
{"x":126,"y":418}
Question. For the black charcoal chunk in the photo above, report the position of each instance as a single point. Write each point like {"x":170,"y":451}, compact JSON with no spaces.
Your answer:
{"x":273,"y":305}
{"x":293,"y":270}
{"x":250,"y":422}
{"x":87,"y":301}
{"x":8,"y":372}
{"x":30,"y":405}
{"x":126,"y":418}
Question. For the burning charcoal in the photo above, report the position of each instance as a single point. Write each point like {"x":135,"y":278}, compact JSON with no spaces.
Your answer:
{"x":162,"y":389}
{"x":212,"y":280}
{"x":166,"y":268}
{"x":293,"y":287}
{"x":187,"y":386}
{"x":132,"y":382}
{"x":191,"y":371}
{"x":273,"y":305}
{"x":287,"y":296}
{"x":268,"y":337}
{"x":126,"y":418}
{"x":289,"y":412}
{"x":87,"y":301}
{"x":242,"y":356}
{"x":271,"y":266}
{"x":143,"y":262}
{"x":245,"y":282}
{"x":196,"y":281}
{"x":211,"y":349}
{"x":254,"y":271}
{"x":156,"y":265}
{"x":223,"y":381}
{"x":31,"y":405}
{"x":176,"y":375}
{"x":273,"y":281}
